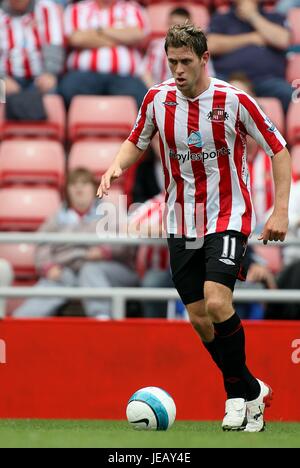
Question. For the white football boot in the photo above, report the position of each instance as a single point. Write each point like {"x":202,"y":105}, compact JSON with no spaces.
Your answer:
{"x":235,"y":415}
{"x":256,"y":408}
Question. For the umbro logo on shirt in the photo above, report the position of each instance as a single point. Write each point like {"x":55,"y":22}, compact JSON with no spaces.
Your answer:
{"x":170,"y":103}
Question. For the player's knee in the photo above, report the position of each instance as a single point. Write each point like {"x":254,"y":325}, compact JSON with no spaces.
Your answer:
{"x":216,"y":307}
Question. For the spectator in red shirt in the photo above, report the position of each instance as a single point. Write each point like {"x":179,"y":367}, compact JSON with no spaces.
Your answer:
{"x":153,"y":262}
{"x":31,"y":45}
{"x":104,"y":59}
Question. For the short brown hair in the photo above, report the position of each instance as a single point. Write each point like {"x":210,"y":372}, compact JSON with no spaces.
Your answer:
{"x":187,"y":35}
{"x":79,"y":174}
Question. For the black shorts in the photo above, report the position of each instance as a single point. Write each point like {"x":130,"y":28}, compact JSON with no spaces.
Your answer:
{"x":220,"y":260}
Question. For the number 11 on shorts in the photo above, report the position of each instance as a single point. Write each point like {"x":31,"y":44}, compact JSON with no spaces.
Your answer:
{"x":229,"y":247}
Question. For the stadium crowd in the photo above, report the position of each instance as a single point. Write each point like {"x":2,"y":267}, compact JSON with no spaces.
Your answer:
{"x":54,"y":51}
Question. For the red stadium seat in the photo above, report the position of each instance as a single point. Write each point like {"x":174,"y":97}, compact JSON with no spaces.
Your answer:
{"x":273,"y":108}
{"x":158,"y":14}
{"x":101,"y":116}
{"x":221,"y":5}
{"x":24,"y":208}
{"x":21,"y":257}
{"x":32,"y":161}
{"x":53,"y":127}
{"x":272,"y":255}
{"x":97,"y":156}
{"x":293,"y":68}
{"x":295,"y":153}
{"x":294,"y":22}
{"x":293,"y":123}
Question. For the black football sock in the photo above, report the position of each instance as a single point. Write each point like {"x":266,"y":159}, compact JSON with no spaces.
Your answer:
{"x":253,"y":387}
{"x":213,"y":349}
{"x":231,"y":345}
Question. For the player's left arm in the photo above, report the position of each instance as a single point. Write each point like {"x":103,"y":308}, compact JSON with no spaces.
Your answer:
{"x":262,"y":129}
{"x":276,"y":227}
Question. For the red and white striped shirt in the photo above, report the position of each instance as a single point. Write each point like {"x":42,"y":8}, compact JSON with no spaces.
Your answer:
{"x":262,"y":185}
{"x":203,"y":151}
{"x":23,"y":37}
{"x":121,"y":59}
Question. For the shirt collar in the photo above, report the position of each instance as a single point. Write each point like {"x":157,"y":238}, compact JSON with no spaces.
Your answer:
{"x":200,"y":95}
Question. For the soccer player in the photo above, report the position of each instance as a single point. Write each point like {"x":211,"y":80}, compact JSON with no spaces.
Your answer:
{"x":202,"y":124}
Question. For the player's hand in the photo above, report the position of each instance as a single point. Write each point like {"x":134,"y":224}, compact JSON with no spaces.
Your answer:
{"x":112,"y":174}
{"x":275,"y":228}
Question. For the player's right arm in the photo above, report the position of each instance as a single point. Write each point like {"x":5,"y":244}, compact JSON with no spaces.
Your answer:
{"x":128,"y":155}
{"x":137,"y":143}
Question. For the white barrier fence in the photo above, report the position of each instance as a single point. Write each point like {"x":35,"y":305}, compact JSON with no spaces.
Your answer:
{"x":93,"y":239}
{"x":119,"y":296}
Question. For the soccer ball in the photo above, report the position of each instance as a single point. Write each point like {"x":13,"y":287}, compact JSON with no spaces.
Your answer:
{"x":151,"y":408}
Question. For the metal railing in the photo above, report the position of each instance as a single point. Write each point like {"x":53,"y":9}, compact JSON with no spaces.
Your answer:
{"x":119,"y":296}
{"x":94,"y":239}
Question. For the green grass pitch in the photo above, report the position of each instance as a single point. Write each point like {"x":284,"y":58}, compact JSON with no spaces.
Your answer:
{"x":118,"y":434}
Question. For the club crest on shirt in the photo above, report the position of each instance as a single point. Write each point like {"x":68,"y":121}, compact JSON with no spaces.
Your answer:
{"x":195,"y":139}
{"x":218,"y":115}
